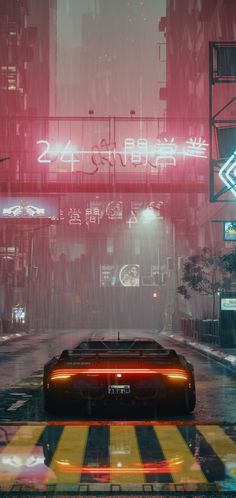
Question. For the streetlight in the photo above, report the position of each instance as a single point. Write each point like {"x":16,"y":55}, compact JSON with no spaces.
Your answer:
{"x":148,"y":215}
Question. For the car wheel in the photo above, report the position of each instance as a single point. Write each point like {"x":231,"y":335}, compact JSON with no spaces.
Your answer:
{"x":182,"y":402}
{"x":50,"y":402}
{"x":187,"y":401}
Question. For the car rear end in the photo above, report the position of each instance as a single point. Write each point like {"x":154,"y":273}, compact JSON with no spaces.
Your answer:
{"x":82,"y":379}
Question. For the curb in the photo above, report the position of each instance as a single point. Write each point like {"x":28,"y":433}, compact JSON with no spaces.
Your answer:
{"x":13,"y":337}
{"x":227,"y":360}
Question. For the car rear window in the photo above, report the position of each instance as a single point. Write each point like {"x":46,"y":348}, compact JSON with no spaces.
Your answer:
{"x":127,"y":345}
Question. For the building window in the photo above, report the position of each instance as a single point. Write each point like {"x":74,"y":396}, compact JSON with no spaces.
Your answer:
{"x":8,"y":78}
{"x":110,"y":245}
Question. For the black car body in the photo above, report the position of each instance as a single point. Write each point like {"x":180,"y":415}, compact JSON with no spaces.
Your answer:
{"x":103,"y":371}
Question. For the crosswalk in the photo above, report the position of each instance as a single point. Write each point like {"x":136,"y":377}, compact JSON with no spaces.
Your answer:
{"x":117,"y":453}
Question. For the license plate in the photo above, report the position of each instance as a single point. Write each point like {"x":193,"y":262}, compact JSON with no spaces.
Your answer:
{"x":113,"y":389}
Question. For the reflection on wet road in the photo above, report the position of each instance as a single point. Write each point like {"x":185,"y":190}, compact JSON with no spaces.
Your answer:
{"x":63,"y":452}
{"x":100,"y":455}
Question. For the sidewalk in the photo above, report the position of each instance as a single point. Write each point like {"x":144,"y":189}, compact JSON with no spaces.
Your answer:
{"x":12,"y":337}
{"x":227,"y":356}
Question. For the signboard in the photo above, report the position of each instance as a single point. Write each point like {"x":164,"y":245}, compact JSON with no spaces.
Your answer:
{"x":128,"y":275}
{"x":18,"y":314}
{"x":120,"y":275}
{"x":29,"y":207}
{"x":228,"y":304}
{"x":155,"y":153}
{"x":83,"y":154}
{"x":227,"y":319}
{"x":127,"y":213}
{"x":227,"y":173}
{"x":230,"y":231}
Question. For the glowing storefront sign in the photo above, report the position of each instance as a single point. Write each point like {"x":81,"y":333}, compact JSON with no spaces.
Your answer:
{"x":136,"y":152}
{"x":227,"y":173}
{"x":129,"y":275}
{"x":18,"y":314}
{"x":136,"y":213}
{"x":230,"y":230}
{"x":228,"y":304}
{"x":29,"y":207}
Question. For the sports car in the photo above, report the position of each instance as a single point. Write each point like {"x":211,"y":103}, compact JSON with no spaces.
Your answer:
{"x":116,"y":371}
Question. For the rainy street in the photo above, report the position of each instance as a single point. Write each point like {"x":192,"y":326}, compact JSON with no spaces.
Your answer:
{"x":117,"y":248}
{"x":126,"y":447}
{"x":21,"y":371}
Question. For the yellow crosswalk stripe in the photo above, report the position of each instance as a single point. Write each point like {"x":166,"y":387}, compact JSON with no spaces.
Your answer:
{"x":18,"y":450}
{"x":171,"y":443}
{"x":69,"y":456}
{"x":222,"y":445}
{"x":125,"y":464}
{"x":125,"y":459}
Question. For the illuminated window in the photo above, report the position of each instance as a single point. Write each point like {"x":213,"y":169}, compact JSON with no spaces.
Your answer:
{"x":12,"y":29}
{"x":110,"y":245}
{"x":8,"y":78}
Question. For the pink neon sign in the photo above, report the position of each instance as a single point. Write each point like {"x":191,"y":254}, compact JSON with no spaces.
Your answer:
{"x":161,"y":152}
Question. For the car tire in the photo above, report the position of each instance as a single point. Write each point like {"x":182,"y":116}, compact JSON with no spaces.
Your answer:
{"x":187,"y":401}
{"x":182,"y":403}
{"x":50,"y":403}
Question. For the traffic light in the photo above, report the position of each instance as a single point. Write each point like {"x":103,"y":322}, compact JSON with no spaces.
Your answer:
{"x":156,"y":295}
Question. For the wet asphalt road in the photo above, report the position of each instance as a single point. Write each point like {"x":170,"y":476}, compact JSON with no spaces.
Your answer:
{"x":128,"y":449}
{"x":21,"y":364}
{"x":131,"y":457}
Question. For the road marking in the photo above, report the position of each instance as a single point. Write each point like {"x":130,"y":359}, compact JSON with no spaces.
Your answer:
{"x":222,"y":445}
{"x":17,"y":405}
{"x":125,"y":459}
{"x":69,"y":456}
{"x":171,"y":442}
{"x":21,"y":394}
{"x":22,"y":442}
{"x":31,"y":383}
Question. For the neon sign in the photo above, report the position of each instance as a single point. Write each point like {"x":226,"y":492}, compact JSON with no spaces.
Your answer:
{"x":135,"y":152}
{"x":137,"y":213}
{"x":230,"y":230}
{"x":26,"y":207}
{"x":227,"y":173}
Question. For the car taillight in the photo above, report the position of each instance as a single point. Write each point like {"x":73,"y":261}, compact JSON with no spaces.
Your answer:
{"x":173,"y":374}
{"x":58,"y":376}
{"x":178,"y":376}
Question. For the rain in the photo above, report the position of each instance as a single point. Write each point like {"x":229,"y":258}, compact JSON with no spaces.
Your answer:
{"x":117,"y":253}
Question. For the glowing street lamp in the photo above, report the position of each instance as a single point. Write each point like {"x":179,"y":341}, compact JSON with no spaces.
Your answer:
{"x":148,"y":215}
{"x":151,"y":213}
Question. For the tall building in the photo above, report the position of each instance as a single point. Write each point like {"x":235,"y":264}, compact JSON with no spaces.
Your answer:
{"x":28,"y":47}
{"x":41,"y":71}
{"x":190,"y":26}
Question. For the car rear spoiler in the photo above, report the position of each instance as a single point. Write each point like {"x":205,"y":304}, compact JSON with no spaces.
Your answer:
{"x":95,"y":353}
